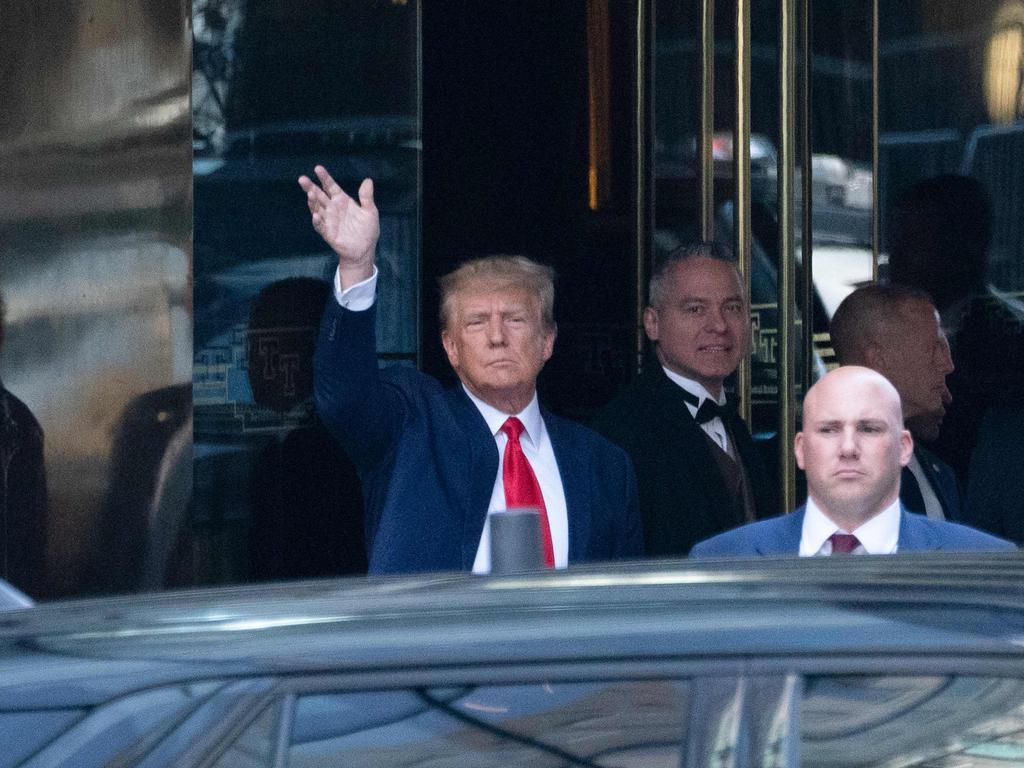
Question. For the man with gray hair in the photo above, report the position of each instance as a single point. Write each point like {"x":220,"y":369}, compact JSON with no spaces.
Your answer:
{"x":895,"y":330}
{"x":699,"y":472}
{"x":435,"y":464}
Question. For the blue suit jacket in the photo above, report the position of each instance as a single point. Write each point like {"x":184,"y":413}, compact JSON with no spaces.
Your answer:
{"x":781,"y":536}
{"x":428,"y":461}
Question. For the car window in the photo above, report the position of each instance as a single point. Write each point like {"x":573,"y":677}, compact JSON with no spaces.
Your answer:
{"x":23,"y":733}
{"x":816,"y":721}
{"x":928,"y":721}
{"x":544,"y":724}
{"x":256,"y":744}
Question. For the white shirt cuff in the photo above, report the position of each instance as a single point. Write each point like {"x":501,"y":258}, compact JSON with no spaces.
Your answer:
{"x":357,"y":297}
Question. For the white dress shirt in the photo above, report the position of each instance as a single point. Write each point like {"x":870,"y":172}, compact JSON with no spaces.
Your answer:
{"x":715,"y":429}
{"x":534,"y":440}
{"x":356,"y":297}
{"x":878,"y":536}
{"x":538,"y":450}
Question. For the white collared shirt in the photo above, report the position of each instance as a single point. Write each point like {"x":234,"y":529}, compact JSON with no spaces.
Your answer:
{"x":932,"y":505}
{"x":535,"y":441}
{"x":539,"y":452}
{"x":356,"y":297}
{"x":715,"y":429}
{"x":878,"y":536}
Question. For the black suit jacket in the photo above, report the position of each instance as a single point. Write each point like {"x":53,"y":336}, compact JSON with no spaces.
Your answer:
{"x":683,"y":498}
{"x":23,"y":505}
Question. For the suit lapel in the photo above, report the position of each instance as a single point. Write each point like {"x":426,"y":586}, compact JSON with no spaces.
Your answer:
{"x":781,"y":536}
{"x":684,"y":435}
{"x":942,"y":481}
{"x":470,"y":486}
{"x":915,"y":533}
{"x":578,"y":494}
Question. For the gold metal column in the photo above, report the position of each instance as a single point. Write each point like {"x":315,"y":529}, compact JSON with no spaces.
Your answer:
{"x":786,"y":360}
{"x":741,"y":174}
{"x":707,"y":120}
{"x":875,"y":229}
{"x":806,"y":182}
{"x":599,"y":102}
{"x":644,"y":163}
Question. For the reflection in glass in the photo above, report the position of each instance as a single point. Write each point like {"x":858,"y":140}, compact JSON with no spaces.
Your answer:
{"x":545,"y":724}
{"x":278,"y":88}
{"x":852,"y":721}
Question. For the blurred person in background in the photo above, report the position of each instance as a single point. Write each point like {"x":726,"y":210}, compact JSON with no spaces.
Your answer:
{"x":23,"y":501}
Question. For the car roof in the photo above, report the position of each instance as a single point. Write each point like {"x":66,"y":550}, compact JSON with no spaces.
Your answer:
{"x":855,"y":613}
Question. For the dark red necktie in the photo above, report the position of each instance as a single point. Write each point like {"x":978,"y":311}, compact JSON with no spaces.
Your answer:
{"x":843,"y":543}
{"x":521,"y":486}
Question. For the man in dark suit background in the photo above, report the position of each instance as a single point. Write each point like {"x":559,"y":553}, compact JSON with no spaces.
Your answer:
{"x":852,"y":448}
{"x":698,"y":470}
{"x":23,"y":497}
{"x":939,"y":234}
{"x":436,"y":463}
{"x":895,"y":330}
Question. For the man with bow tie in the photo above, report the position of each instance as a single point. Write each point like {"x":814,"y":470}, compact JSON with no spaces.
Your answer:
{"x":698,"y":470}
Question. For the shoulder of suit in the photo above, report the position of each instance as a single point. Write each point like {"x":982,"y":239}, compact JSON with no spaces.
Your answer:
{"x":627,"y":417}
{"x":569,"y":431}
{"x":959,"y":534}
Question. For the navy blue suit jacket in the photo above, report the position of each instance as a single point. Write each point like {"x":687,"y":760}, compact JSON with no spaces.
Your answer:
{"x":943,"y":482}
{"x":781,"y":536}
{"x":428,"y":461}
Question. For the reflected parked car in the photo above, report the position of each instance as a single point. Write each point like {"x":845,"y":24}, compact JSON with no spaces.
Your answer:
{"x":909,"y":660}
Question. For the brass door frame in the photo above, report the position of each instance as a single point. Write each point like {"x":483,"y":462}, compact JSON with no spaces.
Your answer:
{"x":795,"y":119}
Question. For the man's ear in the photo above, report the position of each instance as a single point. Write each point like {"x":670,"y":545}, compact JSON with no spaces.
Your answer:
{"x":798,"y":449}
{"x":651,"y":322}
{"x":906,"y":447}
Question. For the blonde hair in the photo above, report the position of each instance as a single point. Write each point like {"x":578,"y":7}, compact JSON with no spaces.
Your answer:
{"x":499,"y":273}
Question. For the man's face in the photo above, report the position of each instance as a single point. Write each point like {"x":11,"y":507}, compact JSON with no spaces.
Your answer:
{"x":916,"y":359}
{"x":497,"y":344}
{"x":853,"y":445}
{"x":701,"y":326}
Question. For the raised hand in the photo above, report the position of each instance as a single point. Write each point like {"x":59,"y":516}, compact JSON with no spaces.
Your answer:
{"x":351,"y":229}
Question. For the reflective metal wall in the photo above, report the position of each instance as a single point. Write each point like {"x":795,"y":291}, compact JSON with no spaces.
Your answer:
{"x":95,"y":253}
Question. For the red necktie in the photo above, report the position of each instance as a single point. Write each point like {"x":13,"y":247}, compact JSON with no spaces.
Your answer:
{"x":843,"y":543}
{"x":521,"y":486}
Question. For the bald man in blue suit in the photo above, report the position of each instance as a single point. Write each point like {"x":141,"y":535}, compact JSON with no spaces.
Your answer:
{"x":853,"y":448}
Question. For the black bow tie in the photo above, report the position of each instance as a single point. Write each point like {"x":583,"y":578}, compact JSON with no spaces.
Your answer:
{"x":707,"y":410}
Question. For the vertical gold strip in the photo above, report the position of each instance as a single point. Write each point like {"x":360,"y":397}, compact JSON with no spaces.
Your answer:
{"x":786,"y":360}
{"x":707,"y":121}
{"x":598,"y":88}
{"x":806,"y":206}
{"x":420,"y":335}
{"x":644,"y":164}
{"x":741,"y":174}
{"x":875,"y":213}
